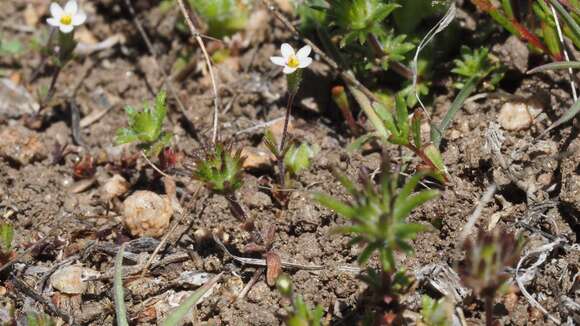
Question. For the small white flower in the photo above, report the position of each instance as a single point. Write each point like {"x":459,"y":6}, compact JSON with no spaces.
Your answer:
{"x":68,"y":18}
{"x":290,"y":60}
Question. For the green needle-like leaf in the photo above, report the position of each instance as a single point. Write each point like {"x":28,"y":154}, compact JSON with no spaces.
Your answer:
{"x":405,"y":208}
{"x":179,"y":313}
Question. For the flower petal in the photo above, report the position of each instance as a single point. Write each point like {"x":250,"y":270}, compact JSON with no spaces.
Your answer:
{"x":278,"y":61}
{"x":304,"y":52}
{"x":286,"y":50}
{"x":305,"y":62}
{"x":79,"y":18}
{"x":71,"y":7}
{"x":66,"y":28}
{"x":56,"y":10}
{"x":53,"y":22}
{"x":288,"y":70}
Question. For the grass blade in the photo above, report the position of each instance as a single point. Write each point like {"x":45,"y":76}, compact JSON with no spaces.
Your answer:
{"x":567,"y":17}
{"x":177,"y":315}
{"x":118,"y":293}
{"x":368,"y":109}
{"x":569,"y":115}
{"x":556,"y":66}
{"x":438,"y":131}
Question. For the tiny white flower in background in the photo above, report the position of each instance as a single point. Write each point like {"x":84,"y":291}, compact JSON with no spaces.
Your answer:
{"x":67,"y":18}
{"x":290,"y":60}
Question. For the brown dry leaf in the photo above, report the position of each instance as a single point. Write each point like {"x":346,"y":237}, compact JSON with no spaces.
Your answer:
{"x":273,"y":268}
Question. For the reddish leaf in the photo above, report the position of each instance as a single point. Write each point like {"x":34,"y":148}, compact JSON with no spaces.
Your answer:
{"x":273,"y":267}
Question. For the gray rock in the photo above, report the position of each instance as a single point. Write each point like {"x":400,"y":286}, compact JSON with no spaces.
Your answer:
{"x":15,"y":100}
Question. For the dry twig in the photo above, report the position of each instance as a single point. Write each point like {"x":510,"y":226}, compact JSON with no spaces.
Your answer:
{"x":190,"y":127}
{"x":199,"y":40}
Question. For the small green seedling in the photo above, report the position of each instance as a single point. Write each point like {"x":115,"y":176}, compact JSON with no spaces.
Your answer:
{"x":387,"y":290}
{"x":478,"y":64}
{"x":6,"y":237}
{"x":395,"y":48}
{"x":397,"y":128}
{"x":474,"y":67}
{"x":223,"y":17}
{"x":379,"y":214}
{"x":486,"y":258}
{"x":299,"y":158}
{"x":358,"y":18}
{"x":39,"y":319}
{"x":220,"y":169}
{"x":300,"y":314}
{"x":10,"y":48}
{"x":146,"y":127}
{"x":436,"y":312}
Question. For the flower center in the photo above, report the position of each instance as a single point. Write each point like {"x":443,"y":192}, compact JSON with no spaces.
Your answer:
{"x":66,"y":19}
{"x":293,"y":62}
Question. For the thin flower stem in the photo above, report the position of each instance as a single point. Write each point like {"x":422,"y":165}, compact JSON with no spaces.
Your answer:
{"x":281,"y":166}
{"x":52,"y":87}
{"x":488,"y":310}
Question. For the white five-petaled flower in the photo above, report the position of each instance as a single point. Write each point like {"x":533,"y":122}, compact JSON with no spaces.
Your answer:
{"x":290,"y":60}
{"x":67,"y":18}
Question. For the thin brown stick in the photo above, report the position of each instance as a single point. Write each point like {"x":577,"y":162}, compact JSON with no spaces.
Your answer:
{"x":167,"y":80}
{"x":251,"y":283}
{"x":153,"y":165}
{"x":28,"y":291}
{"x":199,"y":40}
{"x":347,"y":75}
{"x":285,"y":264}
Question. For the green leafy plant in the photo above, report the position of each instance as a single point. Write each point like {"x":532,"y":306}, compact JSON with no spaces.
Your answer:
{"x":220,"y":169}
{"x":299,"y":157}
{"x":299,"y":314}
{"x":396,"y":128}
{"x":474,"y":67}
{"x":359,"y":18}
{"x":146,"y":127}
{"x":477,"y":64}
{"x":539,"y":27}
{"x":436,"y":312}
{"x":223,"y":17}
{"x":6,"y":237}
{"x":395,"y":48}
{"x":379,"y":214}
{"x":486,"y":258}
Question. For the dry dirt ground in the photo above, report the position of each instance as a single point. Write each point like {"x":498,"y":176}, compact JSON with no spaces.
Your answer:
{"x":61,"y":219}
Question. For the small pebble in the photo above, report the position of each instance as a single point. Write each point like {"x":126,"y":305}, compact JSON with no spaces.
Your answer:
{"x":70,"y":279}
{"x":514,"y":116}
{"x":256,"y":159}
{"x":146,"y":214}
{"x":114,"y":187}
{"x":21,"y":145}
